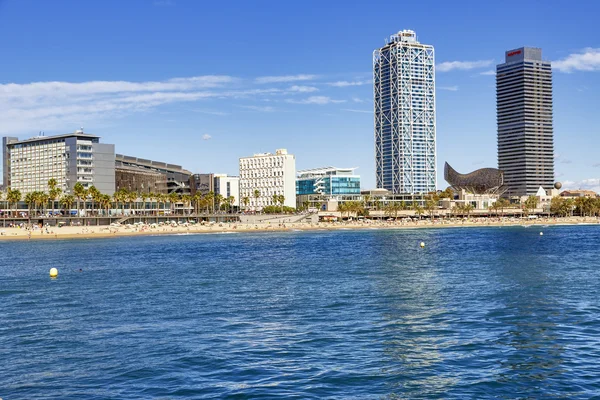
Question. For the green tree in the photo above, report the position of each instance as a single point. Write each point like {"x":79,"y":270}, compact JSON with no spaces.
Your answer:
{"x":79,"y":192}
{"x":229,"y":200}
{"x":186,"y":199}
{"x":13,"y":197}
{"x":448,"y":193}
{"x":256,"y":196}
{"x":245,"y":201}
{"x":530,"y":204}
{"x":94,"y":196}
{"x":67,"y":202}
{"x":173,"y":199}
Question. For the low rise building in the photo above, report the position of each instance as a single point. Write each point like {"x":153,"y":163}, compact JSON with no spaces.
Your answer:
{"x":177,"y":178}
{"x":228,"y":186}
{"x":140,"y":180}
{"x":264,"y":175}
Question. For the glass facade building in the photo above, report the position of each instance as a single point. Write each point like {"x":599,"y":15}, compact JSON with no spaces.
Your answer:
{"x":328,"y":181}
{"x":404,"y":105}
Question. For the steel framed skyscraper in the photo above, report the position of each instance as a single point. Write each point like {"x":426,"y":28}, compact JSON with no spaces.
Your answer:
{"x":404,"y":97}
{"x":524,"y":114}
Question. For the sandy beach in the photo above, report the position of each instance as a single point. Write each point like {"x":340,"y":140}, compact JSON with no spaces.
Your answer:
{"x":89,"y":232}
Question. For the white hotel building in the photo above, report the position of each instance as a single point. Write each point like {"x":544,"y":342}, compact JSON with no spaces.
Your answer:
{"x":71,"y":158}
{"x":269,"y":174}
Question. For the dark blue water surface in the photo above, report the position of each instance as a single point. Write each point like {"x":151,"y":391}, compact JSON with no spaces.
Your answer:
{"x":478,"y":313}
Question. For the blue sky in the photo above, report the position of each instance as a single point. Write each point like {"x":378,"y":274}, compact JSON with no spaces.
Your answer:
{"x":201,"y":83}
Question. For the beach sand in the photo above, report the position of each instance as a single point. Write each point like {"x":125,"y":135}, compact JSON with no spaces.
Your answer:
{"x":89,"y":232}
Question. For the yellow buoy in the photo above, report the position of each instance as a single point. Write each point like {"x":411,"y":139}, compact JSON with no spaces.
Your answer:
{"x":53,"y":272}
{"x":422,"y":244}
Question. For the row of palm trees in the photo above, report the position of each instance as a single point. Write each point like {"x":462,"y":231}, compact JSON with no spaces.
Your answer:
{"x":40,"y":201}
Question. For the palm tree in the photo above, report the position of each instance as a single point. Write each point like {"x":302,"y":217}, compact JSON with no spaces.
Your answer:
{"x":43,"y":199}
{"x":13,"y":197}
{"x":342,"y":208}
{"x":94,"y":195}
{"x":30,"y":201}
{"x":173,"y":198}
{"x":530,"y":204}
{"x":67,"y":202}
{"x":186,"y":199}
{"x":53,"y":191}
{"x":275,"y":199}
{"x":245,"y":201}
{"x":256,"y":196}
{"x":144,"y":196}
{"x":230,"y":200}
{"x":502,"y":203}
{"x":218,"y":200}
{"x":209,"y":198}
{"x":281,"y":199}
{"x":79,"y":192}
{"x":132,"y":198}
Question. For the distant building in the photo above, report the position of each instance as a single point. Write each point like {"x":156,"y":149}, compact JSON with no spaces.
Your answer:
{"x":268,"y":174}
{"x":177,"y":178}
{"x":578,"y":193}
{"x":228,"y":186}
{"x":404,"y":100}
{"x":202,"y":183}
{"x":69,"y":159}
{"x":524,"y":114}
{"x":327,"y":181}
{"x":218,"y":184}
{"x":140,"y":180}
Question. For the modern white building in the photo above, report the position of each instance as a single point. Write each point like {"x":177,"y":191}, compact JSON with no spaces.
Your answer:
{"x":228,"y":186}
{"x":70,"y":158}
{"x":404,"y":102}
{"x":268,"y":174}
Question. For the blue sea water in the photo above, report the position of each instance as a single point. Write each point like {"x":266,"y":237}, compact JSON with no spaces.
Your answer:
{"x":482,"y":313}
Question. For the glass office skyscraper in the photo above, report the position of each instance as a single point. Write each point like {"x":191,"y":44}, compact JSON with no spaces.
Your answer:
{"x":524,"y":114}
{"x":404,"y":97}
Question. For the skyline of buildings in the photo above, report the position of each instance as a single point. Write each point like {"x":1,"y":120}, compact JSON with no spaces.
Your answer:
{"x":404,"y":114}
{"x":405,"y":137}
{"x":524,"y":119}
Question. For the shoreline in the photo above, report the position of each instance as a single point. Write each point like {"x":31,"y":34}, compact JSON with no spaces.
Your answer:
{"x":103,"y":232}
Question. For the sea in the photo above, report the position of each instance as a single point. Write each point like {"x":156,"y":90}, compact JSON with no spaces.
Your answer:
{"x":477,"y":313}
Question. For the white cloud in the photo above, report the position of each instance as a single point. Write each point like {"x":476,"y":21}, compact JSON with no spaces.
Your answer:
{"x":259,"y":108}
{"x":206,"y":136}
{"x":450,"y":88}
{"x":488,"y":72}
{"x":357,"y":111}
{"x":463,"y":65}
{"x":349,"y":83}
{"x":316,"y":100}
{"x":357,"y":100}
{"x":285,"y":78}
{"x":587,"y":60}
{"x":30,"y":107}
{"x":303,"y":89}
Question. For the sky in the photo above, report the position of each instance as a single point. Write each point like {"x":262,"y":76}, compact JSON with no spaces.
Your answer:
{"x":203,"y":83}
